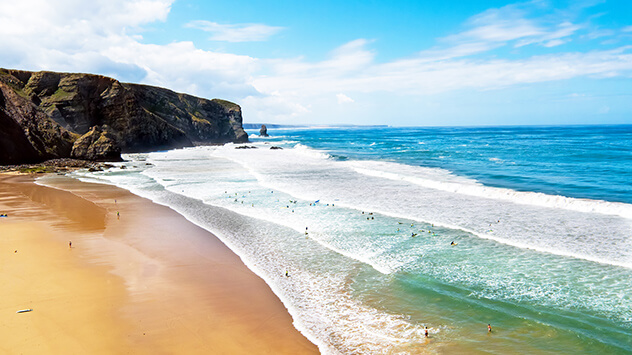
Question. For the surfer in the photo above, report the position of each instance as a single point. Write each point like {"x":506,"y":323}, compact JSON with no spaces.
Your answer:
{"x":287,"y":273}
{"x":453,"y":243}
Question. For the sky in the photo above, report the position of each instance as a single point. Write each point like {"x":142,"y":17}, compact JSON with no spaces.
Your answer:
{"x":397,"y":62}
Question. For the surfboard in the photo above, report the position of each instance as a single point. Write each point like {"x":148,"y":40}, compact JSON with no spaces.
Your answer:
{"x":24,"y":310}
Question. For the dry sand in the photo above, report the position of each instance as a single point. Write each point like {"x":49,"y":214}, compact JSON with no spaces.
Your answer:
{"x":147,"y":282}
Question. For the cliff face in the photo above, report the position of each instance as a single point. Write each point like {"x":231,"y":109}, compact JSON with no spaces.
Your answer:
{"x":27,"y":134}
{"x":65,"y":106}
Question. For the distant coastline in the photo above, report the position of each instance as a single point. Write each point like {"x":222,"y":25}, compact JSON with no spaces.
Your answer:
{"x":273,"y":125}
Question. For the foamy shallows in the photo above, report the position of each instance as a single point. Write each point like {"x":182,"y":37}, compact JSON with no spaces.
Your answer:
{"x":365,"y":253}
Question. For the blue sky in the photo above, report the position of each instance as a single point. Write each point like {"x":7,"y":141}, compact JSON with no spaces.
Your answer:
{"x":354,"y":62}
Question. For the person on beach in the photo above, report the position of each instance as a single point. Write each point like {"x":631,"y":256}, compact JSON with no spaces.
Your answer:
{"x":70,"y":244}
{"x":489,"y":328}
{"x":118,"y":215}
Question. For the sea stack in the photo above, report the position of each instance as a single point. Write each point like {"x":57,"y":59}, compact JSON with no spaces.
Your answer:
{"x":263,"y":132}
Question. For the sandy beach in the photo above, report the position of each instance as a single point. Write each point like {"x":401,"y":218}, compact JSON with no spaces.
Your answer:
{"x":138,"y":279}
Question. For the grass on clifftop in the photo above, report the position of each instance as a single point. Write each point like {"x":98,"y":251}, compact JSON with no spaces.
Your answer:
{"x":227,"y":104}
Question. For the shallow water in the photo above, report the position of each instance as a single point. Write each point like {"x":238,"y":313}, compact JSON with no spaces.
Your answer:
{"x":362,"y":221}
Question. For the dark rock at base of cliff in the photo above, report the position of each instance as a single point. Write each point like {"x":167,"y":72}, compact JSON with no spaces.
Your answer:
{"x":97,"y":145}
{"x":263,"y":131}
{"x":60,"y":166}
{"x":274,"y":147}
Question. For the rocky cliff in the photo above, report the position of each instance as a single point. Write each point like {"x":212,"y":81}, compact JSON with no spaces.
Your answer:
{"x":46,"y":115}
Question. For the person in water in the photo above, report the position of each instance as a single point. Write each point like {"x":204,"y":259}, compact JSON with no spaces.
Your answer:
{"x":426,"y":331}
{"x":489,"y":328}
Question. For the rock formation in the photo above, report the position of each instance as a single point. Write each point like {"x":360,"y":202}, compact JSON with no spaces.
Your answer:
{"x":263,"y":132}
{"x":96,"y":145}
{"x":42,"y":114}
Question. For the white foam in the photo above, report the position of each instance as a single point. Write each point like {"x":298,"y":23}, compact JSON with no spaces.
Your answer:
{"x":584,"y":229}
{"x":422,"y":177}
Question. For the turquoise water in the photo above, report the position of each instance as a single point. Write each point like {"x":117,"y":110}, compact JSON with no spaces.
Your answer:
{"x":363,"y":220}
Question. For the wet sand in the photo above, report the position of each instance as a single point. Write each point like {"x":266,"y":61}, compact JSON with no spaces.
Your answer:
{"x":140,"y":281}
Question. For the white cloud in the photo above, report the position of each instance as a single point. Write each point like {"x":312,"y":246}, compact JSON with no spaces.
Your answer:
{"x":627,"y":29}
{"x":252,"y":32}
{"x":554,"y":43}
{"x":514,"y":23}
{"x":420,"y":77}
{"x":343,"y":99}
{"x":276,"y":106}
{"x":102,"y":37}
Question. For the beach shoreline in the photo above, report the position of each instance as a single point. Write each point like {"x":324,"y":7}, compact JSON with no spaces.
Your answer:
{"x":138,"y":278}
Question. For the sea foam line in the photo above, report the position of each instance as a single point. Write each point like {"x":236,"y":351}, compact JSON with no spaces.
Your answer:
{"x":526,"y":198}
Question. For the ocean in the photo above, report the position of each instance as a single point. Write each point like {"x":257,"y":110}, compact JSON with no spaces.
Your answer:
{"x":370,"y":234}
